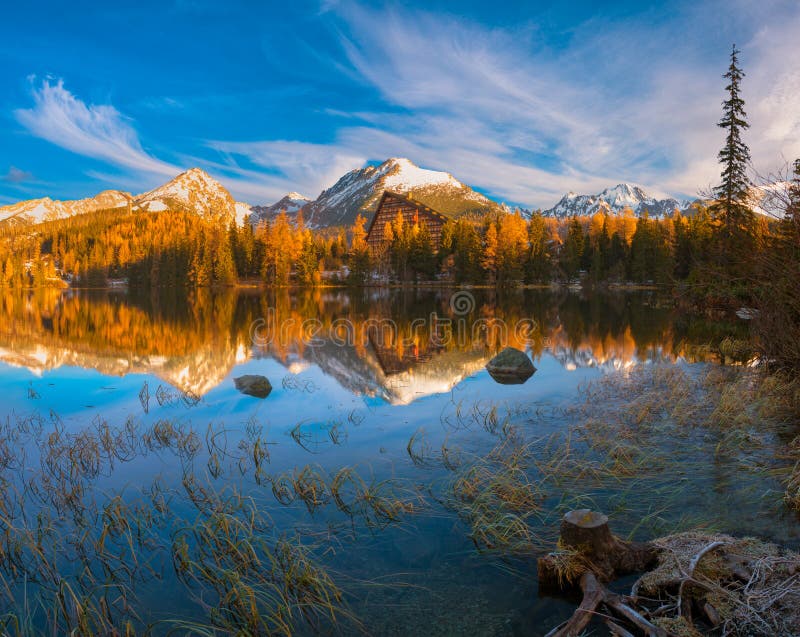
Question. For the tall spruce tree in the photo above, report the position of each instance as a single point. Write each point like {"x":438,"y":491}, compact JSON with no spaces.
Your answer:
{"x":793,"y":212}
{"x":573,"y":248}
{"x":731,"y":211}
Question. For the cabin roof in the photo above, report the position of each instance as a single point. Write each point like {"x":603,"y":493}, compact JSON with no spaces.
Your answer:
{"x":408,"y":200}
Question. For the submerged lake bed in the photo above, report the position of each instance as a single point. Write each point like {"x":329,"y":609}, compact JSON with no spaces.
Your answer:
{"x":387,"y":484}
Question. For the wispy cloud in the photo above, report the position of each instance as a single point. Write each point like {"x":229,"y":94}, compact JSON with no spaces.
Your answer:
{"x":96,"y":131}
{"x":101,"y":132}
{"x":624,"y":101}
{"x":632,"y":98}
{"x":635,"y":100}
{"x":292,"y":165}
{"x":16,"y":176}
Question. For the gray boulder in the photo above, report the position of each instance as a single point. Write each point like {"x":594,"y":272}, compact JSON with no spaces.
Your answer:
{"x":510,"y":367}
{"x":252,"y":385}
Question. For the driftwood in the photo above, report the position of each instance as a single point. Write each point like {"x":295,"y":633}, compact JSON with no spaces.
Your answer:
{"x":734,"y":586}
{"x":595,"y":594}
{"x":684,"y":606}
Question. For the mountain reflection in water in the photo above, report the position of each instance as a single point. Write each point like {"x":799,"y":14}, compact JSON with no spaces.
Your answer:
{"x":194,"y":341}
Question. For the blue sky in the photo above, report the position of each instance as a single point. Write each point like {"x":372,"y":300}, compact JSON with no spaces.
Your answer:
{"x":523,"y":101}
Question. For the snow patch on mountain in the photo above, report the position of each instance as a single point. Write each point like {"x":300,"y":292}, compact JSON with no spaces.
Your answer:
{"x":770,"y":200}
{"x":403,"y":175}
{"x":242,"y":212}
{"x":154,"y":206}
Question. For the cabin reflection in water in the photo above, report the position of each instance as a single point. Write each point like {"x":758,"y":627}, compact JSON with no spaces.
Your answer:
{"x":395,"y":360}
{"x":406,"y":372}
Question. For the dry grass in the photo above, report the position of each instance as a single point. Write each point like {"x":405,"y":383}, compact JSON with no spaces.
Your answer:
{"x":72,"y":556}
{"x":754,"y":586}
{"x":497,"y":498}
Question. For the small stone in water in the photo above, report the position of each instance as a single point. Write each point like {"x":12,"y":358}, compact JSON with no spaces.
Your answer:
{"x":510,"y":367}
{"x":252,"y":385}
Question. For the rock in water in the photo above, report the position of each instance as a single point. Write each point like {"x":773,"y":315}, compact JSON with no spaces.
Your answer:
{"x":257,"y":386}
{"x":510,"y":367}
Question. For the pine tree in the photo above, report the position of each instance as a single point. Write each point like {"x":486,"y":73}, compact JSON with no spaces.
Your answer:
{"x":489,"y":256}
{"x":572,"y":250}
{"x":730,"y":210}
{"x":422,"y":254}
{"x":538,"y":262}
{"x":793,"y":211}
{"x":684,"y":255}
{"x":359,"y":260}
{"x":641,"y":248}
{"x":461,"y":248}
{"x":224,"y":269}
{"x":603,"y":249}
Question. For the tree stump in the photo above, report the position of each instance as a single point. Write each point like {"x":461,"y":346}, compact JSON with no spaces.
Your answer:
{"x":587,"y":545}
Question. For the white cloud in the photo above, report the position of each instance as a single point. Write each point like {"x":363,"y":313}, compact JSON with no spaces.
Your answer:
{"x":634,"y":100}
{"x":97,"y":131}
{"x":631,"y":101}
{"x":103,"y":133}
{"x":293,"y":166}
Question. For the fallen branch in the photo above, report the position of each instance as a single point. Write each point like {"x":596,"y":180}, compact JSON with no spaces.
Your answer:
{"x":617,"y":630}
{"x":689,"y":577}
{"x":615,"y":603}
{"x":593,"y":594}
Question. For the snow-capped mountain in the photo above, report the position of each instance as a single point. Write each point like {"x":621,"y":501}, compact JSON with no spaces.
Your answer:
{"x":770,"y":200}
{"x":359,"y":191}
{"x":243,"y":211}
{"x":194,"y":191}
{"x":291,"y":204}
{"x":614,"y":201}
{"x":46,"y":209}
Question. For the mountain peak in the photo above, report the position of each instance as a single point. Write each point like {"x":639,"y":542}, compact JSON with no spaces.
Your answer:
{"x":46,"y":209}
{"x":358,"y":192}
{"x":404,"y":175}
{"x":614,"y":200}
{"x":296,"y":196}
{"x":197,"y":176}
{"x":290,"y":204}
{"x":399,"y":160}
{"x":194,"y":190}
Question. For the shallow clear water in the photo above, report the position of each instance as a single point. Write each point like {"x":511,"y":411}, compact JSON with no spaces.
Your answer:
{"x":348,"y":391}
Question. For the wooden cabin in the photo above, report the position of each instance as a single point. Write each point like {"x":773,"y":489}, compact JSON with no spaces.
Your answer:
{"x":413,"y":212}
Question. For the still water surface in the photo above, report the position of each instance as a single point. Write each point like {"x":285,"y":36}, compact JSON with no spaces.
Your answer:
{"x":406,"y":405}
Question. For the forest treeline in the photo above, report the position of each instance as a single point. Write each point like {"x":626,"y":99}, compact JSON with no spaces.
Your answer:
{"x":171,"y":248}
{"x":177,"y":249}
